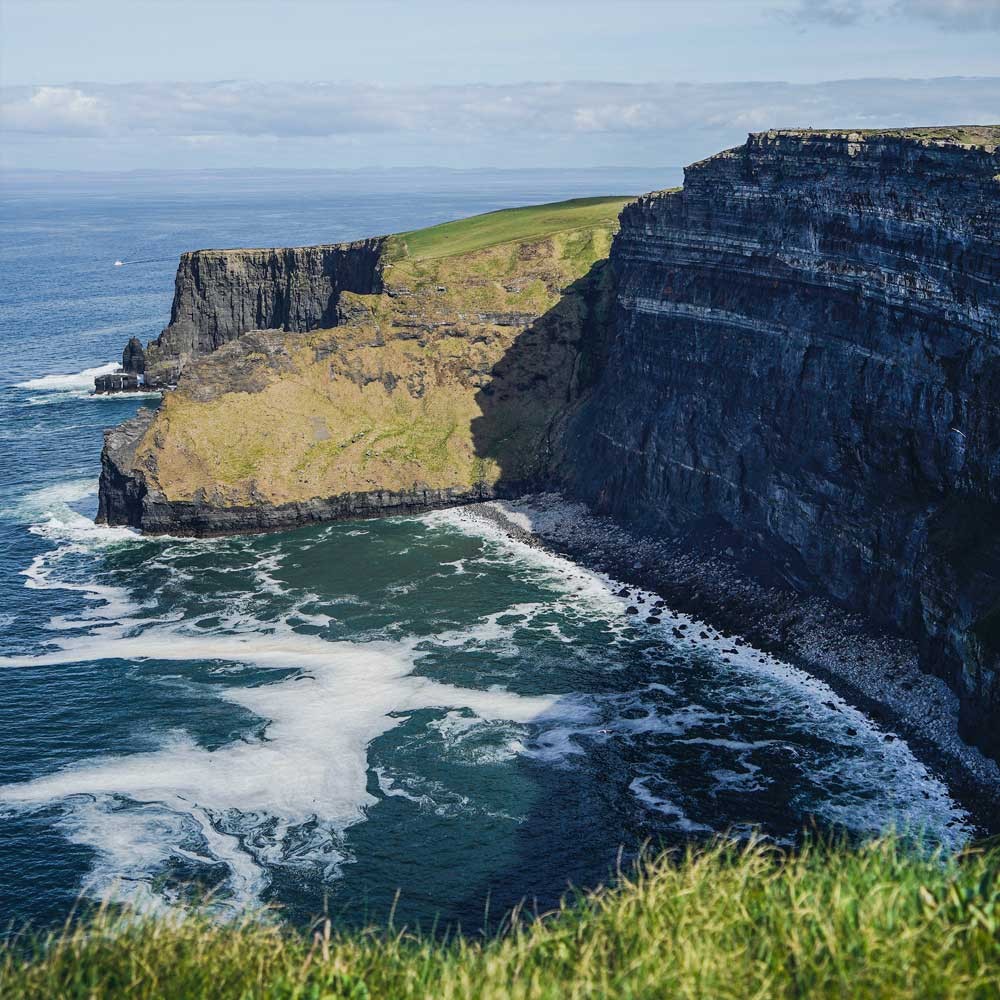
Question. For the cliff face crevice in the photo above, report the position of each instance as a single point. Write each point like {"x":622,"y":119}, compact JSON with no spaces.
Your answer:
{"x":221,"y":294}
{"x":814,"y":322}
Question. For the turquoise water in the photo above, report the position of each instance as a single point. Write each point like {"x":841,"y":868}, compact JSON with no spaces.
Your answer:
{"x":322,"y":718}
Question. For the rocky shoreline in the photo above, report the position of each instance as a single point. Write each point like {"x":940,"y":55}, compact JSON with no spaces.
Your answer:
{"x":875,"y":671}
{"x":788,"y":368}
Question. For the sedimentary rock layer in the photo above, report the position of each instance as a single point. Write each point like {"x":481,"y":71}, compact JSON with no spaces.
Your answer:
{"x":807,"y":354}
{"x":219,"y":294}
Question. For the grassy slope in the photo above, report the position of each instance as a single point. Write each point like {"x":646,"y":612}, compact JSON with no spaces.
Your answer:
{"x":507,"y":226}
{"x":721,"y":924}
{"x":329,"y":419}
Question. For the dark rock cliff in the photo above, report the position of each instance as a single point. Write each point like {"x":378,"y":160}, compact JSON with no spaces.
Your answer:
{"x":220,"y":294}
{"x":134,"y":357}
{"x":807,"y":356}
{"x":123,"y":486}
{"x":802,"y":358}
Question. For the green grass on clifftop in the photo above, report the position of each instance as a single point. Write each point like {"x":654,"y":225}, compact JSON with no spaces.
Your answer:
{"x":720,"y":923}
{"x":507,"y":226}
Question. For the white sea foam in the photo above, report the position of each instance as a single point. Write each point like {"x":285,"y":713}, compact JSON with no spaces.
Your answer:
{"x":883,"y":780}
{"x":52,"y":503}
{"x":392,"y":788}
{"x":264,"y":571}
{"x":287,"y":796}
{"x":88,"y":395}
{"x":49,"y":514}
{"x":749,"y":779}
{"x":490,"y":630}
{"x":78,"y":385}
{"x":307,"y":775}
{"x":75,"y":535}
{"x":53,"y":500}
{"x":559,"y":573}
{"x":69,"y":526}
{"x":433,"y":796}
{"x":116,"y":605}
{"x":667,"y":807}
{"x":68,"y":383}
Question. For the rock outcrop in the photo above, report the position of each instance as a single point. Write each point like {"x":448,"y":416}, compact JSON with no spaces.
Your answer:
{"x":443,"y":384}
{"x":807,"y":356}
{"x":134,"y":357}
{"x":119,"y":381}
{"x":220,"y":294}
{"x":130,"y":496}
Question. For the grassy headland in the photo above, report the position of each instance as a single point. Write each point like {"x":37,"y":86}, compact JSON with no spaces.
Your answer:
{"x":720,"y":922}
{"x":450,"y":378}
{"x":509,"y":225}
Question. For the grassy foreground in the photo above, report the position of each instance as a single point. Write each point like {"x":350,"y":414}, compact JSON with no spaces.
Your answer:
{"x":720,"y":923}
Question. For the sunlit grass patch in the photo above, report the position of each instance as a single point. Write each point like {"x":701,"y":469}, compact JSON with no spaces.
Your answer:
{"x":507,"y":226}
{"x":716,"y":922}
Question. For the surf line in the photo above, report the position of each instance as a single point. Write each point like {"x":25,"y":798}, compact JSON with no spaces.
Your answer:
{"x":144,"y":260}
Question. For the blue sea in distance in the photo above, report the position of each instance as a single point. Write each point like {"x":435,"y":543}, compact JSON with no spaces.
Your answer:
{"x":320,"y":719}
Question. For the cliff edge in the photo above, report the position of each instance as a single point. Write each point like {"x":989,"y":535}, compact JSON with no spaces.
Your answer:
{"x":814,"y":322}
{"x":798,"y":354}
{"x":439,"y":373}
{"x":221,"y":294}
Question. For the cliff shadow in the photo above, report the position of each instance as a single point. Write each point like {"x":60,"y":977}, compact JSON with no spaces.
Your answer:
{"x":527,"y":396}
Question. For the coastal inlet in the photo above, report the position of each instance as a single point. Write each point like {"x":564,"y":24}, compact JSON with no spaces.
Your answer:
{"x":321,"y":717}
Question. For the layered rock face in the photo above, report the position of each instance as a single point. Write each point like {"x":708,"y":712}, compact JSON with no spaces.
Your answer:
{"x":807,"y":355}
{"x":220,"y":294}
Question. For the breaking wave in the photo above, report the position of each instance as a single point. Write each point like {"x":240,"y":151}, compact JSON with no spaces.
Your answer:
{"x":69,"y":383}
{"x":282,"y":795}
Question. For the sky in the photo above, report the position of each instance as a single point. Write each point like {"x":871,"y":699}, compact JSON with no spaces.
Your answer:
{"x":147,"y":84}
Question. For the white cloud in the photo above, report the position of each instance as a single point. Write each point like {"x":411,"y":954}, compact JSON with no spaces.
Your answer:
{"x":955,"y":15}
{"x":59,"y":110}
{"x":201,"y":112}
{"x":246,"y":124}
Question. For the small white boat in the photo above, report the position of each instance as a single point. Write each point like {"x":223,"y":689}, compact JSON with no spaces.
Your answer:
{"x":119,"y":263}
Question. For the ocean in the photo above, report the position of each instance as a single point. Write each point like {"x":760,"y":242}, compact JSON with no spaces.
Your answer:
{"x":415,"y":716}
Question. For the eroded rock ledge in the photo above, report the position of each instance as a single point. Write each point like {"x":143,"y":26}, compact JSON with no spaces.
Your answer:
{"x":221,"y":294}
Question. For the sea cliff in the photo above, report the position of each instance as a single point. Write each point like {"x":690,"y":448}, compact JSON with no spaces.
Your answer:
{"x":814,"y":321}
{"x":220,"y":294}
{"x":440,"y":376}
{"x":797,"y":354}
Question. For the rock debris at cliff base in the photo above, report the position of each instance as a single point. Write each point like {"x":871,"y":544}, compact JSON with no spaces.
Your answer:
{"x":879,"y":672}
